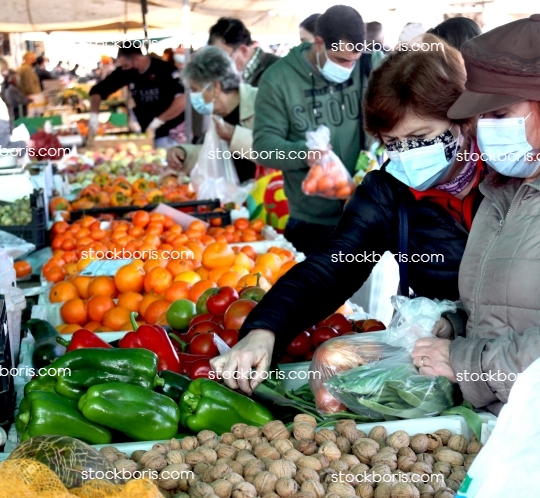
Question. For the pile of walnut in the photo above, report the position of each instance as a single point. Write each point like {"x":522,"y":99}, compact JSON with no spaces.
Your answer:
{"x":270,"y":462}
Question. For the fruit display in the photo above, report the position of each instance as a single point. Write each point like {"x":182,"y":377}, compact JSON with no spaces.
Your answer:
{"x":16,"y":213}
{"x":47,"y":146}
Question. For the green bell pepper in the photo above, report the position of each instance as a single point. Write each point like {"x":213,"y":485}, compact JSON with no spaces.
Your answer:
{"x":175,"y":384}
{"x":80,"y":369}
{"x":209,"y":405}
{"x":41,"y":383}
{"x":141,"y":414}
{"x":49,"y":413}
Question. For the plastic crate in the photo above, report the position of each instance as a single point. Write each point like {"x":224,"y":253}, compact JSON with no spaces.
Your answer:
{"x":190,"y":207}
{"x":7,"y":392}
{"x":36,"y":231}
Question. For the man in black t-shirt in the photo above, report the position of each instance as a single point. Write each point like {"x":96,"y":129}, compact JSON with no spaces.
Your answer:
{"x":155,"y":87}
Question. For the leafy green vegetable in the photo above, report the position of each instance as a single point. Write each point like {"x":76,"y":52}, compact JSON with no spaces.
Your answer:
{"x":473,"y":420}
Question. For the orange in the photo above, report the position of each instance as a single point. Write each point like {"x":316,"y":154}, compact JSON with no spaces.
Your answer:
{"x":82,"y":233}
{"x":162,"y":319}
{"x":177,"y":266}
{"x":129,"y":278}
{"x":157,"y":280}
{"x":264,"y":271}
{"x":71,"y":269}
{"x":250,"y":280}
{"x":241,"y":223}
{"x":150,"y":264}
{"x":74,"y":311}
{"x":179,"y":240}
{"x":241,"y":259}
{"x":116,"y":317}
{"x":197,"y":248}
{"x":62,"y":292}
{"x":22,"y":268}
{"x":155,"y":310}
{"x":61,"y":327}
{"x":102,"y":328}
{"x":153,"y":240}
{"x":54,"y":274}
{"x":97,"y":306}
{"x":83,"y":263}
{"x":216,"y":273}
{"x":69,"y":256}
{"x":159,"y":217}
{"x":249,"y":237}
{"x":178,"y":290}
{"x":69,"y":244}
{"x":86,"y":221}
{"x":198,"y":288}
{"x":92,"y":326}
{"x":198,"y":226}
{"x":146,"y":301}
{"x":102,"y":286}
{"x":249,"y":251}
{"x":230,"y":279}
{"x":217,"y":254}
{"x":140,"y":218}
{"x":207,"y":240}
{"x":59,"y":227}
{"x":270,"y":260}
{"x":286,"y":255}
{"x":285,"y":267}
{"x":257,"y":225}
{"x":70,"y":328}
{"x":202,"y":272}
{"x":241,"y":270}
{"x":81,"y":283}
{"x":130,"y":300}
{"x":188,"y":276}
{"x":129,"y":327}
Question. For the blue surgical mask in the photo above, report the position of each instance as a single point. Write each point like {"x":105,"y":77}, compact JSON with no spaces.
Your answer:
{"x":421,"y":164}
{"x":332,"y":71}
{"x":198,"y":103}
{"x":504,"y":143}
{"x":179,"y":58}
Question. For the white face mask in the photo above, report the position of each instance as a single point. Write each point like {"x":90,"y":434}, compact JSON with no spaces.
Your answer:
{"x":504,"y":142}
{"x":179,"y":58}
{"x":332,"y":71}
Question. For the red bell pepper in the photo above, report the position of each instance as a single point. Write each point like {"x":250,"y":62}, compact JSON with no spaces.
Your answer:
{"x":153,"y":338}
{"x":200,"y":369}
{"x":187,"y":360}
{"x":82,"y":339}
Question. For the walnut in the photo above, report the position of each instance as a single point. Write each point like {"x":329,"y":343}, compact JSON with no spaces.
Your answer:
{"x":267,"y":462}
{"x":222,"y":488}
{"x":234,"y":478}
{"x":306,"y":474}
{"x":239,"y":430}
{"x":380,"y":469}
{"x":254,"y":441}
{"x":227,"y":438}
{"x":189,"y":443}
{"x":226,"y":451}
{"x":205,"y":436}
{"x":474,"y":447}
{"x":211,"y":443}
{"x":386,"y":456}
{"x":243,"y":456}
{"x":201,"y":454}
{"x":469,"y":459}
{"x":434,"y":441}
{"x":200,"y":490}
{"x":458,"y":443}
{"x":241,"y":444}
{"x":325,"y":435}
{"x":445,"y":493}
{"x":136,"y":455}
{"x":442,"y":468}
{"x":206,"y":476}
{"x":185,"y":483}
{"x":438,"y":482}
{"x":404,"y":490}
{"x":398,"y":439}
{"x":342,"y":424}
{"x":364,"y":490}
{"x":420,"y":468}
{"x":251,"y":472}
{"x":309,"y":462}
{"x":176,"y":456}
{"x":304,"y":418}
{"x":404,"y":463}
{"x":408,"y":452}
{"x":254,"y":464}
{"x":251,"y":431}
{"x":419,"y":443}
{"x":426,"y":490}
{"x":330,"y":450}
{"x":343,"y":444}
{"x":293,"y":455}
{"x":270,"y":495}
{"x":342,"y":489}
{"x":351,"y":433}
{"x":126,"y":465}
{"x":303,"y":430}
{"x":445,"y":435}
{"x":111,"y":453}
{"x":450,"y":456}
{"x":364,"y":449}
{"x":378,"y":432}
{"x":314,"y":487}
{"x":381,"y":442}
{"x":351,"y":460}
{"x":275,"y":430}
{"x":170,"y":476}
{"x":302,"y":495}
{"x":339,"y":466}
{"x":359,"y":469}
{"x":244,"y":490}
{"x":269,"y":452}
{"x":282,"y":445}
{"x":426,"y":458}
{"x":307,"y":447}
{"x":286,"y":487}
{"x":220,"y":471}
{"x":453,"y":484}
{"x":265,"y":482}
{"x":382,"y":490}
{"x":459,"y":469}
{"x":283,"y":468}
{"x":153,"y":460}
{"x":325,"y":462}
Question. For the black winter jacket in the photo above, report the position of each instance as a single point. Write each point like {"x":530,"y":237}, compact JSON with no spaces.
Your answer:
{"x":315,"y":288}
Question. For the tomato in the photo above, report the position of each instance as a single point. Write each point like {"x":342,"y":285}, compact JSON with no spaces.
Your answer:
{"x":219,"y":319}
{"x":229,"y":336}
{"x":200,"y":318}
{"x":180,"y":314}
{"x":200,"y":369}
{"x":254,"y":293}
{"x":219,"y":301}
{"x":338,"y":322}
{"x":300,"y":345}
{"x":287,"y":359}
{"x":309,"y":355}
{"x":202,"y":328}
{"x":372,"y":325}
{"x":203,"y":344}
{"x":237,"y":312}
{"x":202,"y":301}
{"x":186,"y":360}
{"x":323,"y":334}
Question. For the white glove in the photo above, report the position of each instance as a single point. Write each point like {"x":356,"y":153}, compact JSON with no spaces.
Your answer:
{"x":93,"y":122}
{"x":134,"y":126}
{"x":156,"y":123}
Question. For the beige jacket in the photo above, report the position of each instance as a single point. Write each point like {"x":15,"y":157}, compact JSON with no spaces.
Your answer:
{"x":499,"y":284}
{"x":28,"y":80}
{"x":243,"y":134}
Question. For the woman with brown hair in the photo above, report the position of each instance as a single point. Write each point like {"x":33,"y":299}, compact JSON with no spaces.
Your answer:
{"x":500,"y":271}
{"x":419,"y":206}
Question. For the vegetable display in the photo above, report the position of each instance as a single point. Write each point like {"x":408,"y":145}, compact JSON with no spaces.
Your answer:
{"x":83,"y":339}
{"x":46,"y":347}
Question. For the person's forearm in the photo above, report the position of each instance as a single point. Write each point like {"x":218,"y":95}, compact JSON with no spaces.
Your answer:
{"x":175,"y":109}
{"x":95,"y":102}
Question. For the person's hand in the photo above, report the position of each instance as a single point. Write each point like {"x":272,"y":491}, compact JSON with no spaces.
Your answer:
{"x":155,"y":124}
{"x":224,"y":130}
{"x":432,"y":357}
{"x":234,"y":367}
{"x":176,"y":157}
{"x":443,"y":329}
{"x":93,"y":124}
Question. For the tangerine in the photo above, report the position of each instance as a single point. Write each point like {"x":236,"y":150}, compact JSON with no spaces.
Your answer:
{"x":74,"y":312}
{"x":130,"y":300}
{"x":70,"y":328}
{"x":102,"y":286}
{"x":252,"y":280}
{"x":198,"y":288}
{"x":62,"y":292}
{"x":270,"y":260}
{"x":229,"y":279}
{"x":190,"y":277}
{"x":92,"y":326}
{"x":129,"y":278}
{"x":178,"y":290}
{"x":22,"y":268}
{"x":97,"y":306}
{"x":82,"y":283}
{"x":116,"y":317}
{"x":141,"y":218}
{"x":155,"y":310}
{"x":54,"y":274}
{"x":146,"y":301}
{"x":249,"y":252}
{"x":157,"y":280}
{"x":217,"y":254}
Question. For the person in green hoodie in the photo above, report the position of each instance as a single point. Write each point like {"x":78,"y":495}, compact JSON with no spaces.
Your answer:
{"x":316,"y":84}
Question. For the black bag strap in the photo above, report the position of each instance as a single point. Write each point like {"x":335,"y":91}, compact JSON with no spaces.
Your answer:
{"x":403,"y":249}
{"x":365,"y":66}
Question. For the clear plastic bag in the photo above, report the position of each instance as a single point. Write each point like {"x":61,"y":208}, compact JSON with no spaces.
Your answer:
{"x":328,"y":177}
{"x":214,"y":176}
{"x":371,"y":373}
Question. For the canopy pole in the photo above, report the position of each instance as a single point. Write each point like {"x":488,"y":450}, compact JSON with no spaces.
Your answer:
{"x":188,"y":118}
{"x":144,"y":7}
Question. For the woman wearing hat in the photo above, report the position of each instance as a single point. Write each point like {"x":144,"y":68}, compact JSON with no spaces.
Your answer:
{"x":499,"y":277}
